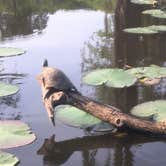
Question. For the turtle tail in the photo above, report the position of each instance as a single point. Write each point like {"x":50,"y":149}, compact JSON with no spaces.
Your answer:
{"x":45,"y":63}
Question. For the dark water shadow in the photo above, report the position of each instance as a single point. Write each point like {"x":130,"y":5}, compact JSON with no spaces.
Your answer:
{"x":121,"y":49}
{"x":56,"y":153}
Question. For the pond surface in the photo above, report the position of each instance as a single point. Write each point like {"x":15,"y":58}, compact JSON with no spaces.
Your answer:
{"x":77,"y":37}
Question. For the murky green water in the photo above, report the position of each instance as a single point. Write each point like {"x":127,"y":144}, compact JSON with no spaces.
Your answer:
{"x":78,"y":36}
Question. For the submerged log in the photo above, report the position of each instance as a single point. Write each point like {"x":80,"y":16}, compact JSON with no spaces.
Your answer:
{"x":104,"y":112}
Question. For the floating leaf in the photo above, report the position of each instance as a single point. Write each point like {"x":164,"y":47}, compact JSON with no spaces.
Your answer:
{"x":103,"y":127}
{"x":140,"y":30}
{"x":120,"y":78}
{"x":14,"y":134}
{"x":7,"y":159}
{"x":152,"y":71}
{"x":142,"y":2}
{"x":75,"y":117}
{"x":117,"y":78}
{"x":7,"y":89}
{"x":9,"y":51}
{"x":160,"y":28}
{"x":154,"y":109}
{"x":158,"y":13}
{"x":97,"y":77}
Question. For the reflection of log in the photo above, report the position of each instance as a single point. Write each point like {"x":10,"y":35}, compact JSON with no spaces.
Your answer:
{"x":58,"y":152}
{"x":93,"y":142}
{"x":104,"y":112}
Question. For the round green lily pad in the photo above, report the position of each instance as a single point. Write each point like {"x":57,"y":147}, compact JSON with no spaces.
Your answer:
{"x":159,"y":28}
{"x":97,"y":77}
{"x":152,"y":71}
{"x":7,"y":89}
{"x":14,"y":134}
{"x":158,"y":13}
{"x":142,"y":2}
{"x":103,"y":127}
{"x":7,"y":159}
{"x":75,"y":117}
{"x":116,"y":78}
{"x":154,"y":109}
{"x":140,"y":30}
{"x":9,"y":51}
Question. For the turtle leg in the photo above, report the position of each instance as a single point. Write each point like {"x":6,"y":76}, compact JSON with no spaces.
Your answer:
{"x":53,"y":100}
{"x":48,"y":102}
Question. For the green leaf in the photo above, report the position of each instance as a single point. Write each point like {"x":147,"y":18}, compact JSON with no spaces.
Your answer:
{"x":103,"y":127}
{"x":75,"y":117}
{"x":116,"y":78}
{"x":7,"y":159}
{"x":120,"y":79}
{"x":154,"y":109}
{"x":158,"y":13}
{"x":9,"y":51}
{"x":152,"y":71}
{"x":140,"y":30}
{"x":160,"y":28}
{"x":14,"y":134}
{"x":97,"y":77}
{"x":142,"y":2}
{"x":7,"y":89}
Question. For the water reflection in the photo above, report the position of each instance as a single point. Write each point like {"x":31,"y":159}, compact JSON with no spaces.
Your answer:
{"x":26,"y":17}
{"x":9,"y":104}
{"x":106,"y":47}
{"x":120,"y":149}
{"x":13,"y":25}
{"x":97,"y":52}
{"x":126,"y":49}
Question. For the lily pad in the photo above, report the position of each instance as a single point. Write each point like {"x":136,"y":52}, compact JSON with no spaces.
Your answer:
{"x":7,"y":159}
{"x":7,"y":89}
{"x":152,"y":71}
{"x":142,"y":2}
{"x":158,"y":13}
{"x":154,"y":109}
{"x":9,"y":51}
{"x":103,"y":127}
{"x":97,"y":77}
{"x":159,"y":28}
{"x":75,"y":117}
{"x":116,"y":78}
{"x":141,"y":30}
{"x":15,"y":134}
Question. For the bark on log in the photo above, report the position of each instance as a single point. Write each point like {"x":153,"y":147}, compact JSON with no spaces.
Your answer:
{"x":114,"y":116}
{"x":104,"y":112}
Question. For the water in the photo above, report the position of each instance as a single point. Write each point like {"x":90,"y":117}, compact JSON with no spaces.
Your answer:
{"x":77,"y":38}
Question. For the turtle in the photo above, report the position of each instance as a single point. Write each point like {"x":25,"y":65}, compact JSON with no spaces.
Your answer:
{"x":54,"y":80}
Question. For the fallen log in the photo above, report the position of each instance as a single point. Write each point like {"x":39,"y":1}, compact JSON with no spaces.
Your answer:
{"x":53,"y":96}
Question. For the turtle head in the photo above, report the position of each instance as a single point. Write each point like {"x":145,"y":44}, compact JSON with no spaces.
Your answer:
{"x":45,"y":63}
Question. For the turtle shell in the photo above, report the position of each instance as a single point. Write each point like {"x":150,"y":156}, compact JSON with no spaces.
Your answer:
{"x":54,"y":78}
